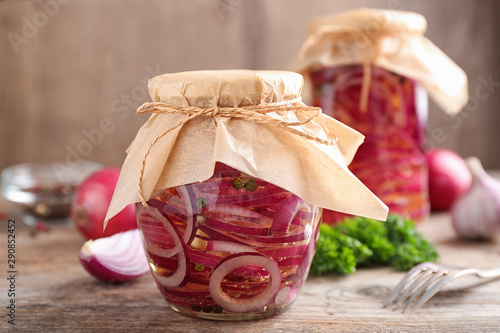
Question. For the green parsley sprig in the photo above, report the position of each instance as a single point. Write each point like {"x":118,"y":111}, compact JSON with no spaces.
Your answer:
{"x":363,"y":242}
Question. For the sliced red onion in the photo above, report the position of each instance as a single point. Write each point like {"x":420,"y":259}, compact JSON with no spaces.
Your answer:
{"x":282,"y":252}
{"x":117,"y":258}
{"x":241,"y":305}
{"x":224,"y":186}
{"x":296,"y":233}
{"x":289,"y":261}
{"x":170,"y":263}
{"x":168,"y":208}
{"x":286,"y":213}
{"x":282,"y":295}
{"x":304,"y":266}
{"x":242,"y":228}
{"x":245,"y":272}
{"x":272,"y":201}
{"x":215,"y":234}
{"x":305,"y":215}
{"x":235,"y":211}
{"x":225,"y":246}
{"x":243,"y":291}
{"x":265,"y":210}
{"x":178,"y":278}
{"x":200,"y":274}
{"x":189,"y":290}
{"x":204,"y":258}
{"x":189,"y":198}
{"x":246,"y":198}
{"x":180,"y":275}
{"x":175,"y":206}
{"x":157,"y":241}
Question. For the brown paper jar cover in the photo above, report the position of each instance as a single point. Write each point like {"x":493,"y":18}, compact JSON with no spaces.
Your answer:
{"x":315,"y":172}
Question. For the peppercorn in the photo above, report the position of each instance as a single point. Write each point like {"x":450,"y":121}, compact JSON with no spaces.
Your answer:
{"x":250,"y":185}
{"x":238,"y":183}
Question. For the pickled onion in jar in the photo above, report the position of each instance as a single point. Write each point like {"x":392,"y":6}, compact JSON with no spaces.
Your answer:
{"x":391,"y":162}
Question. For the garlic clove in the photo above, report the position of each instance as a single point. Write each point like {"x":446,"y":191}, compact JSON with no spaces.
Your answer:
{"x":476,"y":215}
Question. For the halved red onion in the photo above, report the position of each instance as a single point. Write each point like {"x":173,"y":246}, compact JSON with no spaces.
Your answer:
{"x":117,"y":258}
{"x":241,"y":305}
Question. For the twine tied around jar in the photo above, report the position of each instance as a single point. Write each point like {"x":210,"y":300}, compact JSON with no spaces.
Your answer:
{"x":256,"y":113}
{"x":368,"y":40}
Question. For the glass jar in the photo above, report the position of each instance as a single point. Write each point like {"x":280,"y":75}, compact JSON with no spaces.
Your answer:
{"x":231,"y":247}
{"x":229,"y":174}
{"x":391,"y":161}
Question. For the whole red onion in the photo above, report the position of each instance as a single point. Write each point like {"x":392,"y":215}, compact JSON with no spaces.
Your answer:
{"x":91,"y":202}
{"x":449,"y":178}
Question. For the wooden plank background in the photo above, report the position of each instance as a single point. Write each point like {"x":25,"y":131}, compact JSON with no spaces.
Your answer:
{"x":72,"y":72}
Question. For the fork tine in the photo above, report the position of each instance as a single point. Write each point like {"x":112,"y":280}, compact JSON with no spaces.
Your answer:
{"x":425,"y":274}
{"x":435,"y":289}
{"x":425,"y":280}
{"x":430,"y":283}
{"x":408,"y":277}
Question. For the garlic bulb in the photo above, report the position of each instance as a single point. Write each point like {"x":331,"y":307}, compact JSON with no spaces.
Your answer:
{"x":476,"y":214}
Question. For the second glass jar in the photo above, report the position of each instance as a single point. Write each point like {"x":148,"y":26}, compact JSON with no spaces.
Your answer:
{"x":391,"y":162}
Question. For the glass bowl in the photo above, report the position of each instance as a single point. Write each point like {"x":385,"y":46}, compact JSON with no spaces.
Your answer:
{"x":44,"y":190}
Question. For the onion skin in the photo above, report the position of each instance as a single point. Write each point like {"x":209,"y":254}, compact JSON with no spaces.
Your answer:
{"x":476,"y":215}
{"x":115,"y":259}
{"x":449,"y":178}
{"x":91,"y":202}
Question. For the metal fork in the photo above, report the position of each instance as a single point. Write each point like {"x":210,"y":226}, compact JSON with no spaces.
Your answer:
{"x":425,"y":280}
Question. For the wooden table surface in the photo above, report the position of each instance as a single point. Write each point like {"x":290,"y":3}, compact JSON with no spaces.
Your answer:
{"x":55,"y":294}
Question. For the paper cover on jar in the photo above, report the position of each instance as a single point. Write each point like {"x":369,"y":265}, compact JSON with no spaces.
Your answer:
{"x":169,"y":151}
{"x":390,"y":39}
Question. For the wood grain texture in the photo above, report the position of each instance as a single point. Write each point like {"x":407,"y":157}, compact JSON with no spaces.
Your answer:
{"x":55,"y":294}
{"x":90,"y":61}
